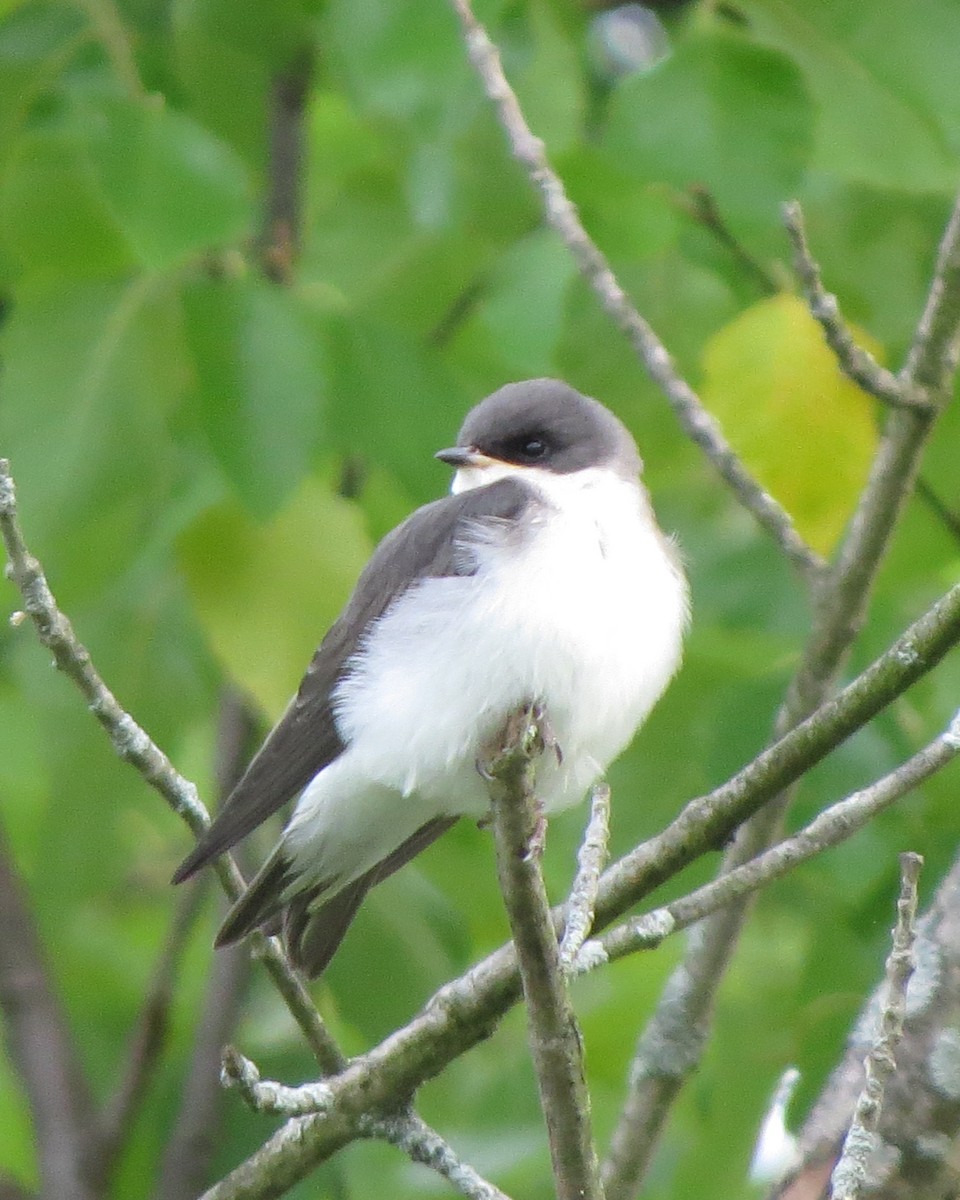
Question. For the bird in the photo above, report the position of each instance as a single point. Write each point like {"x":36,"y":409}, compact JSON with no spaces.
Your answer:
{"x":541,"y":578}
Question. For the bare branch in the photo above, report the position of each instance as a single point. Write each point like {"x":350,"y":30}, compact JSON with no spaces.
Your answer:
{"x":184,"y":1169}
{"x":268,"y":1096}
{"x":842,"y":600}
{"x":280,"y":237}
{"x":561,"y":214}
{"x":578,"y":918}
{"x":40,"y":1046}
{"x":465,"y":1010}
{"x":932,"y":362}
{"x":555,"y":1042}
{"x":856,"y":363}
{"x":831,"y":827}
{"x":419,"y":1142}
{"x":146,"y":1044}
{"x":851,"y":1173}
{"x":702,"y":206}
{"x":134,"y":746}
{"x":920,"y":1119}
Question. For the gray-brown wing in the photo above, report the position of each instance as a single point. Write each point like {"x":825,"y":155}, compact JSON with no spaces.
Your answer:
{"x":306,"y":739}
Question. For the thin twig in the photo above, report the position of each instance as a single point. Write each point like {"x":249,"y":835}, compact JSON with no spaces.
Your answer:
{"x":591,"y":859}
{"x":268,"y":1096}
{"x":834,"y":825}
{"x":856,"y":363}
{"x":40,"y":1046}
{"x":932,"y":361}
{"x":185,"y":1164}
{"x":555,"y":1042}
{"x":842,"y":599}
{"x":562,"y":216}
{"x":413,"y":1137}
{"x":134,"y":746}
{"x":147,"y":1042}
{"x":851,"y":1172}
{"x":702,"y":205}
{"x":465,"y":1010}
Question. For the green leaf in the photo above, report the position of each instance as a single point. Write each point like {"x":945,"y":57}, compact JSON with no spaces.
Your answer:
{"x":402,"y":59}
{"x":523,"y":310}
{"x":884,"y":82}
{"x":55,"y":222}
{"x":35,"y":40}
{"x":227,"y":55}
{"x":393,"y":401}
{"x":266,"y":593}
{"x":723,"y":113}
{"x":91,"y":374}
{"x":173,"y":187}
{"x":260,"y":382}
{"x":806,"y":431}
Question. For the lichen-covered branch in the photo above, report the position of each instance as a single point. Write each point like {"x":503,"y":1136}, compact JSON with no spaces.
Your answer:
{"x":850,"y":1176}
{"x":556,"y":1045}
{"x":561,"y":214}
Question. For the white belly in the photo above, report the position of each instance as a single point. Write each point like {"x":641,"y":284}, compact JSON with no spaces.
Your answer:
{"x":585,"y":615}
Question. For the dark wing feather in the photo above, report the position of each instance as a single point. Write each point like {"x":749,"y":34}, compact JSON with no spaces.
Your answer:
{"x":305,"y":740}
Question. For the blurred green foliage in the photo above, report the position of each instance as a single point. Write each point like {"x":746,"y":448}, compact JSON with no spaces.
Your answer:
{"x":183,"y":432}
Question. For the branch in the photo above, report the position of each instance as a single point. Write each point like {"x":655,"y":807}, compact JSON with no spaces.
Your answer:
{"x":850,"y":1174}
{"x":581,"y":906}
{"x":280,"y":237}
{"x":846,"y":591}
{"x":420,"y":1143}
{"x":932,"y":361}
{"x":40,"y":1045}
{"x":134,"y":746}
{"x":146,"y":1043}
{"x":556,"y":1045}
{"x":465,"y":1010}
{"x":842,"y":600}
{"x":920,"y":1119}
{"x":561,"y":214}
{"x":701,"y":204}
{"x":185,"y":1164}
{"x":831,"y":827}
{"x":855,"y":362}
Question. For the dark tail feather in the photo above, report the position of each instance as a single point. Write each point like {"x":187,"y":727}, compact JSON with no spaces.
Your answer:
{"x":260,"y":904}
{"x":313,"y":928}
{"x":312,"y":932}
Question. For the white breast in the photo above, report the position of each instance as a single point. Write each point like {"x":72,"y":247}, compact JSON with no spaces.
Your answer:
{"x":583,"y":612}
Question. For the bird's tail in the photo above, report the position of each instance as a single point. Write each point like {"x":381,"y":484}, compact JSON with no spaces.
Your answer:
{"x":314,"y":921}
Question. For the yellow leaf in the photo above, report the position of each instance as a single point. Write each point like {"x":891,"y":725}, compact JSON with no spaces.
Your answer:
{"x":265,"y":594}
{"x":804,"y":430}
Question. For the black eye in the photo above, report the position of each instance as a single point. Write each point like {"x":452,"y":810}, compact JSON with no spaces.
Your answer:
{"x":532,"y":448}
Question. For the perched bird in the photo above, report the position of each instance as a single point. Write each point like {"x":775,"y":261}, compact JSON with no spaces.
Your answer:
{"x":543,"y":578}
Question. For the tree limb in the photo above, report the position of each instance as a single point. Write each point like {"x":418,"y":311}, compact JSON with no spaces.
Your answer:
{"x":556,"y":1045}
{"x":856,"y":363}
{"x":41,"y":1048}
{"x":561,"y":214}
{"x":465,"y":1010}
{"x":850,"y":1176}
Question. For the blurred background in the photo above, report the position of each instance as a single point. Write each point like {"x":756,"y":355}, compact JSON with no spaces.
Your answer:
{"x":256,"y":263}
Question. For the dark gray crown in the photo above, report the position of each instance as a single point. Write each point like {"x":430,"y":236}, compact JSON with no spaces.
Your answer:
{"x":546,"y":423}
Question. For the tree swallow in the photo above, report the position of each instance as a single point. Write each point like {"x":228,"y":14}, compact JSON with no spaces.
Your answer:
{"x":542,"y":578}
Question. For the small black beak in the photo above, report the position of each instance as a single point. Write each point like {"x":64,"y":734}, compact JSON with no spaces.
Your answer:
{"x":458,"y":456}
